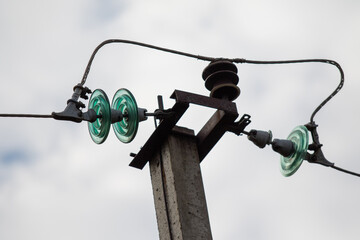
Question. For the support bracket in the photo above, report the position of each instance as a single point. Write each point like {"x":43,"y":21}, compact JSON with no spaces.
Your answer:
{"x":222,"y":121}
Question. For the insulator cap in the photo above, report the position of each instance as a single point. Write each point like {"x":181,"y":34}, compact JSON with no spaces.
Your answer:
{"x":260,"y":138}
{"x":284,"y":147}
{"x":221,"y":79}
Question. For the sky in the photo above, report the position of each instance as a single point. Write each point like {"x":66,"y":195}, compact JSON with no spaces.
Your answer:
{"x":55,"y":183}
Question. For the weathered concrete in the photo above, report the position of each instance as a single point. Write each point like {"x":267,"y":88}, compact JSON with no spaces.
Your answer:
{"x":178,"y":189}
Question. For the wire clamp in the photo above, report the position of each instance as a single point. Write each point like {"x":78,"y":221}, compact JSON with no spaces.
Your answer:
{"x":318,"y":155}
{"x":83,"y":91}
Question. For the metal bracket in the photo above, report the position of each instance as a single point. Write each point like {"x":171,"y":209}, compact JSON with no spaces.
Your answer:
{"x":239,"y":126}
{"x":222,"y":121}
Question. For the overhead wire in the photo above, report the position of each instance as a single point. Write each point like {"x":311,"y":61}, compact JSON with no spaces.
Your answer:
{"x":25,"y":115}
{"x":205,"y":58}
{"x":109,"y":41}
{"x":327,"y":61}
{"x":212,"y":59}
{"x":346,"y":171}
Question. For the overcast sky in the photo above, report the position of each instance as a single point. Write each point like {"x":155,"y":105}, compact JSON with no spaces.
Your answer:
{"x":55,"y":183}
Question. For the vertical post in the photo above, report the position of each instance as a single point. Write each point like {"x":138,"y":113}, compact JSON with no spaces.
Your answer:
{"x":178,"y":189}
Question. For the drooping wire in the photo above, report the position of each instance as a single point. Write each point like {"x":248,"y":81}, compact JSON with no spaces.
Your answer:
{"x":205,"y":58}
{"x":87,"y":70}
{"x":338,"y":88}
{"x":211,"y":59}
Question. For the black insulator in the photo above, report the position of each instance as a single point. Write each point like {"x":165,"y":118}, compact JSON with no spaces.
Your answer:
{"x":218,"y":66}
{"x":260,"y":138}
{"x":285,"y":147}
{"x":221,"y":79}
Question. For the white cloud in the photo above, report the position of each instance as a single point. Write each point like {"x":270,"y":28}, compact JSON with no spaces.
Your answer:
{"x":75,"y":189}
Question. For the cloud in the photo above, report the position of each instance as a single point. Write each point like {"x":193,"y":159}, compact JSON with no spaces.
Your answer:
{"x":15,"y":156}
{"x":61,"y":185}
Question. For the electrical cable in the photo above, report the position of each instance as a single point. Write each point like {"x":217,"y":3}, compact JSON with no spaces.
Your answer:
{"x":346,"y":171}
{"x":338,"y":88}
{"x":26,"y":115}
{"x":212,"y":59}
{"x":205,"y":58}
{"x":87,"y":70}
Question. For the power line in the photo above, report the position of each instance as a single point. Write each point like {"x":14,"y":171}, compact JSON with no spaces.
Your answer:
{"x":26,"y":115}
{"x":79,"y":88}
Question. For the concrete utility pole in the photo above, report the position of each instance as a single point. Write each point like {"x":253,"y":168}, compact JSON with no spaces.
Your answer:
{"x":175,"y":154}
{"x":178,"y":189}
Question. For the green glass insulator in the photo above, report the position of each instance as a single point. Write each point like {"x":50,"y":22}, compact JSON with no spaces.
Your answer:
{"x":99,"y":129}
{"x":300,"y":137}
{"x":126,"y":129}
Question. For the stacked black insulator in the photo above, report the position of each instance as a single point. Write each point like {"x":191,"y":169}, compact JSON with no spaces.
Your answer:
{"x":221,"y":79}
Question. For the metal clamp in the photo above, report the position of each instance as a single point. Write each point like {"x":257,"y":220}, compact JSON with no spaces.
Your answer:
{"x":318,"y":155}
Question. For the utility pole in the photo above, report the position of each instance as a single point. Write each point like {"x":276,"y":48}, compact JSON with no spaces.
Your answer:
{"x":174,"y":154}
{"x":178,"y":189}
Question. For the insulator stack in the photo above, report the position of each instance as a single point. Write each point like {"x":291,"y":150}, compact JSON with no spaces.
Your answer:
{"x":221,"y":79}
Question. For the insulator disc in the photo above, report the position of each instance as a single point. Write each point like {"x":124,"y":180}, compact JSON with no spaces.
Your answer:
{"x":99,"y":130}
{"x":224,"y":76}
{"x":216,"y":66}
{"x":126,"y":129}
{"x":300,"y":137}
{"x":230,"y":90}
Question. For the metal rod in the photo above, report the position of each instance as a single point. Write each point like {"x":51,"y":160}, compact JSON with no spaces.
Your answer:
{"x":150,"y":114}
{"x":245,"y":132}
